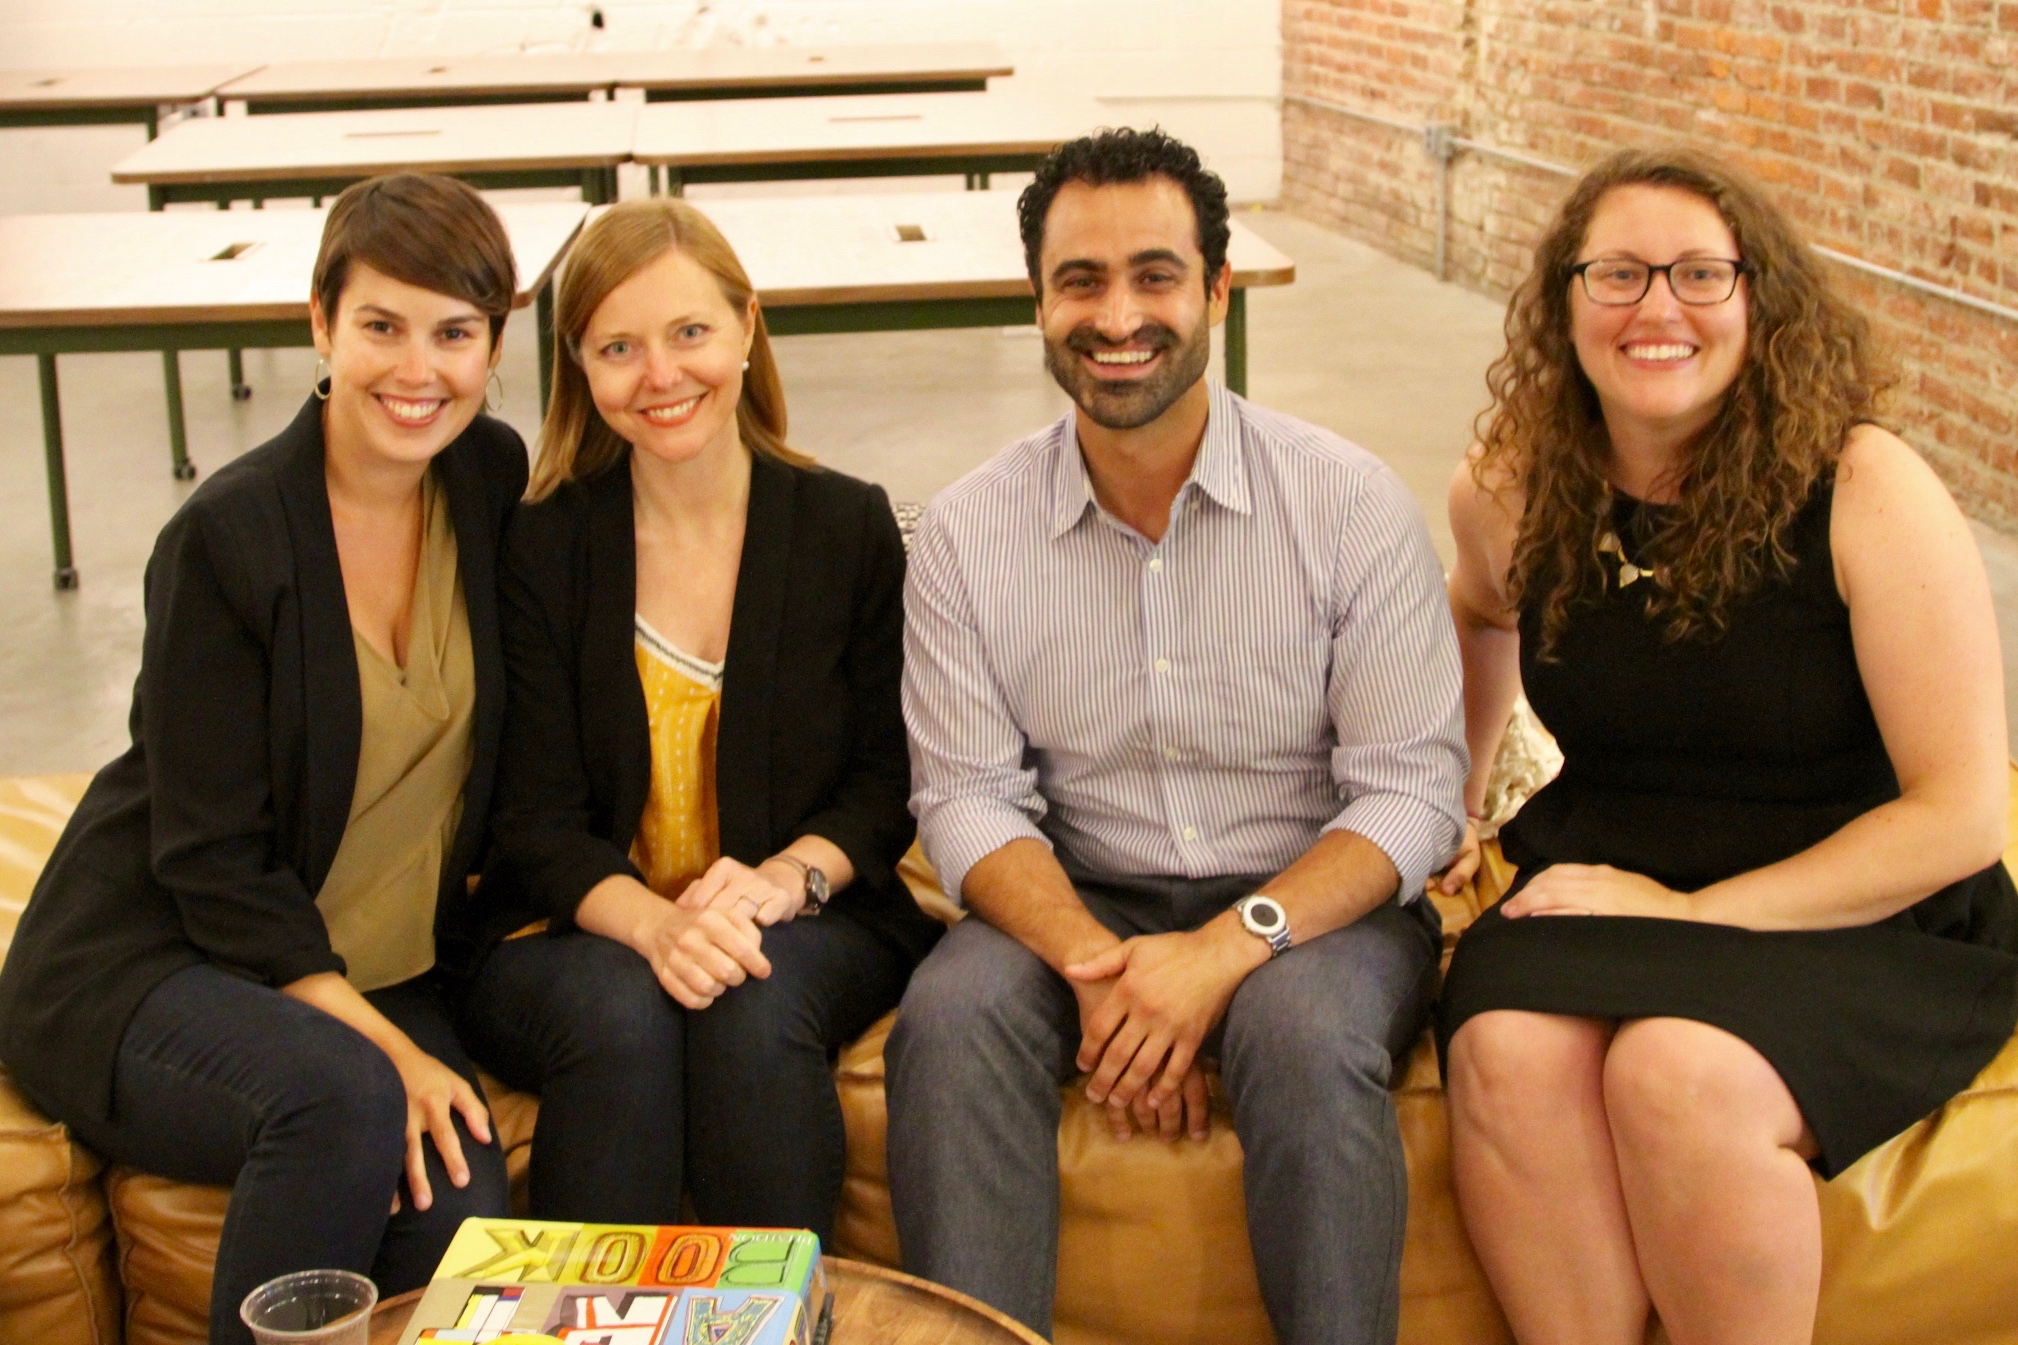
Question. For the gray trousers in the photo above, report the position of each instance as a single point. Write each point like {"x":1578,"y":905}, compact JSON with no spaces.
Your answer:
{"x":987,"y":1033}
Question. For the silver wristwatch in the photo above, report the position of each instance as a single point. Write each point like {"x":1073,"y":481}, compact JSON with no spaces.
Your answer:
{"x":1264,"y":918}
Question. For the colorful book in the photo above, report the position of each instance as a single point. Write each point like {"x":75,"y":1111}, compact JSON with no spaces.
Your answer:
{"x":527,"y":1282}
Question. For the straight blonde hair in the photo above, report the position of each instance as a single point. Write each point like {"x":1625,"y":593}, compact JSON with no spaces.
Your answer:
{"x":575,"y":441}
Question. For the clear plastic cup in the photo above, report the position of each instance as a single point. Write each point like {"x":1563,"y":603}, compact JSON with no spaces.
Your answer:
{"x":311,"y":1307}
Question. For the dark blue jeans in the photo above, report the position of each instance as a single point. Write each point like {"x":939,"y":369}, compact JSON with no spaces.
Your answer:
{"x":638,"y":1095}
{"x":229,"y":1083}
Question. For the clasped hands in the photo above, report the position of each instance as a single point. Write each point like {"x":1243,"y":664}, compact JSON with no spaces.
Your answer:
{"x":1572,"y":889}
{"x":711,"y":936}
{"x":1145,"y":1006}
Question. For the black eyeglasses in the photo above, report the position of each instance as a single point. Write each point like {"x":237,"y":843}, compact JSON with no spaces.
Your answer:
{"x":1618,"y":281}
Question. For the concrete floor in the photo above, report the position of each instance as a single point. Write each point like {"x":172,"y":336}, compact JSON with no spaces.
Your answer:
{"x":1366,"y":345}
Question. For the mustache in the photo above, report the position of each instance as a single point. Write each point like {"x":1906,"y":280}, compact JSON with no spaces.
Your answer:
{"x":1084,"y":339}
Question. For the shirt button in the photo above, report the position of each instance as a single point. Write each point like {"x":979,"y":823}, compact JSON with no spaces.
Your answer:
{"x":1156,"y":565}
{"x":1163,"y":665}
{"x":1191,"y":833}
{"x":1170,"y":754}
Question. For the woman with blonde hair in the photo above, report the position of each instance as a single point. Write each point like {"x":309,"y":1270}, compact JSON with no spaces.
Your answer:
{"x":703,"y":752}
{"x":1759,"y":924}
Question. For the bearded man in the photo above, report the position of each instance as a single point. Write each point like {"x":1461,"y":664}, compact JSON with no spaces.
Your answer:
{"x":1186,"y":739}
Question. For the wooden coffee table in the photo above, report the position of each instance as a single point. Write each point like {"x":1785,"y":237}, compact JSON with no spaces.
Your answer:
{"x":872,"y":1306}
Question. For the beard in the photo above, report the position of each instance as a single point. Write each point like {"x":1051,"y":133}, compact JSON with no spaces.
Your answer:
{"x":1129,"y":404}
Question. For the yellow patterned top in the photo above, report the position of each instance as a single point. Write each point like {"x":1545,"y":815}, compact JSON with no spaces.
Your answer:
{"x":679,"y":835}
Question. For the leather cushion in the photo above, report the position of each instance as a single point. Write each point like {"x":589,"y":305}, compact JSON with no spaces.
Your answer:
{"x":58,"y":1283}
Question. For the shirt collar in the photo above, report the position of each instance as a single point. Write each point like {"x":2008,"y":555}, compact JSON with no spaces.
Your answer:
{"x":1218,"y":470}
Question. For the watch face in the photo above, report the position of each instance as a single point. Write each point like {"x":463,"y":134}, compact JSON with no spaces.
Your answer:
{"x":1262,"y":915}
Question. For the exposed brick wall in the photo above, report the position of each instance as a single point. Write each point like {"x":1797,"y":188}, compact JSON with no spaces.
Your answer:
{"x":1889,"y":129}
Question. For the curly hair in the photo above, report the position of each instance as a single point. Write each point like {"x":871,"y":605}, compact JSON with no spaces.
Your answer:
{"x":1810,"y":374}
{"x":1125,"y":155}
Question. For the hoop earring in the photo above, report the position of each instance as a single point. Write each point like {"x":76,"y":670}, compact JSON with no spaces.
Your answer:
{"x":488,"y":408}
{"x":321,"y":377}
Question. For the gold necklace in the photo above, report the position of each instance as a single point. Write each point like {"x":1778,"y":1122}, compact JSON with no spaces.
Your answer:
{"x":1629,"y":573}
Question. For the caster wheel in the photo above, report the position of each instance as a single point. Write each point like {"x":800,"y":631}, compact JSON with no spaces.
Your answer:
{"x":185,"y":471}
{"x":241,"y":392}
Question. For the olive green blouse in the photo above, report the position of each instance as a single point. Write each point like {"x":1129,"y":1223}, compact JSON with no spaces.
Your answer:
{"x":379,"y":898}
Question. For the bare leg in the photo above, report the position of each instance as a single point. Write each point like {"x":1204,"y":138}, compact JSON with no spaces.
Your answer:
{"x":1712,"y":1154}
{"x":1537,"y":1179}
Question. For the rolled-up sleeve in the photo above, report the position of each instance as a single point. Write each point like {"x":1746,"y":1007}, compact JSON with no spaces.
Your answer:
{"x":972,"y":789}
{"x":1396,"y":689}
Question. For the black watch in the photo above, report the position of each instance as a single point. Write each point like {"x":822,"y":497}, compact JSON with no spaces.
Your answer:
{"x":818,"y":891}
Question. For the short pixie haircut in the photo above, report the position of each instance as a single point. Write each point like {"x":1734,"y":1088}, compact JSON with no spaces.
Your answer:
{"x":1124,"y":155}
{"x":425,"y":230}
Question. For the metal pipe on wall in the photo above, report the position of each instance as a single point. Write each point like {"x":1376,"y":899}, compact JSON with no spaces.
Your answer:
{"x":1441,"y":143}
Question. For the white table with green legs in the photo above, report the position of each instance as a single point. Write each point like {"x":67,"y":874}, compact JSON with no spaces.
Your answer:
{"x":923,"y":260}
{"x":198,"y":280}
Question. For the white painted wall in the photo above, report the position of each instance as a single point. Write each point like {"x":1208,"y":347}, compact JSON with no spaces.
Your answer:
{"x":1209,"y":71}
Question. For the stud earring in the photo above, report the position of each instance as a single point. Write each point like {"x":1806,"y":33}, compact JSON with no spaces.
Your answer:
{"x":321,"y":377}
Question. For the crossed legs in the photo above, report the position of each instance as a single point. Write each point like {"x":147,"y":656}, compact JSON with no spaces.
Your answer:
{"x":1604,"y":1170}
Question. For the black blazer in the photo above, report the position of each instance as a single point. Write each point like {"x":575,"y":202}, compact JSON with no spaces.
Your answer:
{"x":209,"y":838}
{"x":811,"y":735}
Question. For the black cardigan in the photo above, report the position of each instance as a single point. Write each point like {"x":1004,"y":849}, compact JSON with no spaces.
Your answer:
{"x":811,"y":736}
{"x":208,"y":839}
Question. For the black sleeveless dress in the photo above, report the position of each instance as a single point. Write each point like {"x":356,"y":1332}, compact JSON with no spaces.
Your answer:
{"x":1696,"y":761}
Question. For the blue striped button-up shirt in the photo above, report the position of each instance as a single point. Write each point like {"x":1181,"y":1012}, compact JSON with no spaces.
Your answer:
{"x":1281,"y":664}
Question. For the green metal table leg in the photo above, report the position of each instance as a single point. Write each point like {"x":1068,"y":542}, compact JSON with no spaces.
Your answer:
{"x":652,"y":174}
{"x":59,"y":484}
{"x":178,"y":434}
{"x":1236,"y":342}
{"x":234,"y":357}
{"x":543,"y":326}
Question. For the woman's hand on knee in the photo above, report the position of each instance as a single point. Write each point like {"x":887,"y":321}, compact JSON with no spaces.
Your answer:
{"x":697,"y":955}
{"x":734,"y":887}
{"x":434,"y":1095}
{"x":1597,"y":889}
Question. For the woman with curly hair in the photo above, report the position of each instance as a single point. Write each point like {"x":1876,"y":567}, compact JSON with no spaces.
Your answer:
{"x":1760,"y":631}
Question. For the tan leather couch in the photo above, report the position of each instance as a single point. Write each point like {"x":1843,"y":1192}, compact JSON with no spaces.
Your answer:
{"x":1918,"y":1236}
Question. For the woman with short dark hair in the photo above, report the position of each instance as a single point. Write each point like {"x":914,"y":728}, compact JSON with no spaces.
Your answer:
{"x":1759,"y":924}
{"x":229,"y":970}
